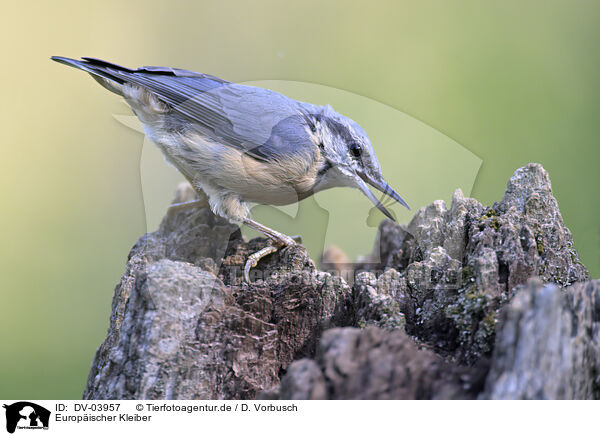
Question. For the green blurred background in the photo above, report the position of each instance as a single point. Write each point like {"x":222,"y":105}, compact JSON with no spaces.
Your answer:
{"x":513,"y":82}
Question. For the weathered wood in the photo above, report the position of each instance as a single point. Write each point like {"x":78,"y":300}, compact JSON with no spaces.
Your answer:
{"x":440,"y":302}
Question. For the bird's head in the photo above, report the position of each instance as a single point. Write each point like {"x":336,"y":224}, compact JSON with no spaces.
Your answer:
{"x":348,"y":158}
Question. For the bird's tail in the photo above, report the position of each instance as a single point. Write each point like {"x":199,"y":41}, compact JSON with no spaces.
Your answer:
{"x":100,"y":70}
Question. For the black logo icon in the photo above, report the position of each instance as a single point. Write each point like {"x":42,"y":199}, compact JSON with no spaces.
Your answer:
{"x":26,"y":415}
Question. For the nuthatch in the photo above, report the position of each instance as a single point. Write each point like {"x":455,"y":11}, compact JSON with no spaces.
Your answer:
{"x":241,"y":144}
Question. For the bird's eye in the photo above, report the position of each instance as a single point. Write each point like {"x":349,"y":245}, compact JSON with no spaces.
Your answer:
{"x":355,"y":150}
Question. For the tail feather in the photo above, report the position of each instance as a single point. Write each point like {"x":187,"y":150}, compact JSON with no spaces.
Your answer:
{"x":99,"y":69}
{"x":101,"y":63}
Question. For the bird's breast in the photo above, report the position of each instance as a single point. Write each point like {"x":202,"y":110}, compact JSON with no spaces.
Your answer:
{"x":274,"y":182}
{"x":224,"y":168}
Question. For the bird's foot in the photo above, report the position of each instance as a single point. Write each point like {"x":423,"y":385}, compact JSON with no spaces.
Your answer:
{"x":278,"y":241}
{"x":255,"y":257}
{"x":274,"y":246}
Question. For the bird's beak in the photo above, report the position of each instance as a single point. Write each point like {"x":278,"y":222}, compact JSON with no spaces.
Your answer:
{"x":380,"y":186}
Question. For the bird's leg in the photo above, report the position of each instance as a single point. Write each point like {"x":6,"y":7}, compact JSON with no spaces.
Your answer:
{"x":279,"y":240}
{"x":275,"y":236}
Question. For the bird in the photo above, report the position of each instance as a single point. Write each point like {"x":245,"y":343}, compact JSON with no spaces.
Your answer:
{"x":237,"y":144}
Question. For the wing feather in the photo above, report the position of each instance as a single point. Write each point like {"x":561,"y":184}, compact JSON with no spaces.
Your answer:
{"x":262,"y":123}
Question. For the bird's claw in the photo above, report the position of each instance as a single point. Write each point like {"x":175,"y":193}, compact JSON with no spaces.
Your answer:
{"x":254,"y":258}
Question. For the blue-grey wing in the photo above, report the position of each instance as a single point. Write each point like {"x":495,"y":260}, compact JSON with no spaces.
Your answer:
{"x":262,"y":123}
